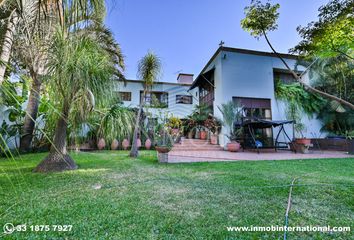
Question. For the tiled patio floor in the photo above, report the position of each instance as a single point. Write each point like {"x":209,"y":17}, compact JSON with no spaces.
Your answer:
{"x":216,"y":156}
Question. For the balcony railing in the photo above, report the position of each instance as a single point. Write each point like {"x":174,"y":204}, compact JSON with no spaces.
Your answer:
{"x":207,"y":99}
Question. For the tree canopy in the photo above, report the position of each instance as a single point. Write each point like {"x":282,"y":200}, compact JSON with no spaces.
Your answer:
{"x":332,"y":34}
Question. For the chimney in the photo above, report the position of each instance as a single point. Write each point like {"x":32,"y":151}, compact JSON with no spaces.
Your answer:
{"x":185,"y":78}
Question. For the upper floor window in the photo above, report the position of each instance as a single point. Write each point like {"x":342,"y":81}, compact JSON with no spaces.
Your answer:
{"x":184,"y":99}
{"x":125,"y":96}
{"x":155,"y":99}
{"x":284,"y":76}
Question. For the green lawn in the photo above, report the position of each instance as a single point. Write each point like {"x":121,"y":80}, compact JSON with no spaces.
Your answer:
{"x":141,"y":199}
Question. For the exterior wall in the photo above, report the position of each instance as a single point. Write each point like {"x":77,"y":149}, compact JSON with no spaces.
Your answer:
{"x":178,"y":110}
{"x":249,"y":75}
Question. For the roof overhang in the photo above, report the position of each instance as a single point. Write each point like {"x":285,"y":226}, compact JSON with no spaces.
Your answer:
{"x":201,"y":78}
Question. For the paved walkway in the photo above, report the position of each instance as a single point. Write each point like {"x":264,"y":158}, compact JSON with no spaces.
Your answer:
{"x":181,"y":154}
{"x":216,"y":156}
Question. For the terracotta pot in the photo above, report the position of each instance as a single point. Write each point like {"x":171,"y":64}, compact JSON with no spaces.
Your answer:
{"x":115,"y":144}
{"x":148,"y":144}
{"x":125,"y":144}
{"x":214,"y":139}
{"x":233,"y":146}
{"x":138,"y":143}
{"x":197,"y":135}
{"x":190,"y":134}
{"x":162,"y":149}
{"x":203,"y":135}
{"x":303,"y":141}
{"x":101,"y":144}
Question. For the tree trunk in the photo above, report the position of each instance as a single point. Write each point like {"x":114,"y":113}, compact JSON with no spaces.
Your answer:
{"x":306,"y":86}
{"x":31,"y":115}
{"x":58,"y":158}
{"x":134,"y":150}
{"x":7,"y":44}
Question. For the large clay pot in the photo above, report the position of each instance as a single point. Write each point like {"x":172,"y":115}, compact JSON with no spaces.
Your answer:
{"x":101,"y":144}
{"x":190,"y":134}
{"x":148,"y":144}
{"x":138,"y":143}
{"x":233,"y":146}
{"x":304,"y":141}
{"x":162,"y":149}
{"x":125,"y":144}
{"x":214,"y":139}
{"x":203,"y":135}
{"x":115,"y":144}
{"x":197,"y":135}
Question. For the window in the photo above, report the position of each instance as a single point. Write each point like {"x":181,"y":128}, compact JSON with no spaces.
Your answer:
{"x":258,"y":108}
{"x":284,"y":76}
{"x":184,"y":99}
{"x":155,"y":99}
{"x":125,"y":96}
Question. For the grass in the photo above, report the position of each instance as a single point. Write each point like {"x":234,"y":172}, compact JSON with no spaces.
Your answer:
{"x":141,"y":199}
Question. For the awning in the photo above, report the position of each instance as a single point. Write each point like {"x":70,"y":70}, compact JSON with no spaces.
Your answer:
{"x":261,"y":123}
{"x":202,"y":78}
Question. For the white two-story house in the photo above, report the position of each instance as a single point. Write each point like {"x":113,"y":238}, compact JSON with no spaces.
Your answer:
{"x":248,"y":76}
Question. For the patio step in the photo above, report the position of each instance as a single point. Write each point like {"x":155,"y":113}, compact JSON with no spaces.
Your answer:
{"x":196,"y":145}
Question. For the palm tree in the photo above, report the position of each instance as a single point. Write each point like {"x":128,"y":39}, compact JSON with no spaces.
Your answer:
{"x":80,"y":75}
{"x":33,"y":37}
{"x":149,"y":70}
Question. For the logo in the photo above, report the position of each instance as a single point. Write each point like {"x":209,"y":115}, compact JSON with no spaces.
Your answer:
{"x":8,"y":228}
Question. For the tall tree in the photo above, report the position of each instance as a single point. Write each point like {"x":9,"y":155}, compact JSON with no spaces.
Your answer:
{"x":332,"y":34}
{"x":80,"y":74}
{"x":261,"y":19}
{"x":149,"y":70}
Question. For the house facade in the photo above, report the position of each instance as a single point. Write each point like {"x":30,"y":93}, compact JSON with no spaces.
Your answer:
{"x":164,"y":98}
{"x":248,"y":77}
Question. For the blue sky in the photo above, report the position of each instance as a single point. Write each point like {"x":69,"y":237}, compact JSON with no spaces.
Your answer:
{"x":185,"y":33}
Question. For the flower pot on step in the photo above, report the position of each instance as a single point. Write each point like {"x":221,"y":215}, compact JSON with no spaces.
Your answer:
{"x":304,"y":141}
{"x":233,"y":146}
{"x":190,"y":135}
{"x":203,"y":135}
{"x":214,"y":139}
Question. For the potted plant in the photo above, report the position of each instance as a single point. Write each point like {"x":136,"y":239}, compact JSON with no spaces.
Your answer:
{"x":164,"y":143}
{"x":213,"y":125}
{"x":301,"y":143}
{"x":232,"y":113}
{"x":174,"y":125}
{"x":203,"y":133}
{"x":199,"y":115}
{"x":188,"y":125}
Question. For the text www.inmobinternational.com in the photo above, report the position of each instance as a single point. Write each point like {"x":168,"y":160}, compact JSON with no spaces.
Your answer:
{"x":276,"y":228}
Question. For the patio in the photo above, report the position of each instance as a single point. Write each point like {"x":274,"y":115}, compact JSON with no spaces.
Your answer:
{"x":202,"y":151}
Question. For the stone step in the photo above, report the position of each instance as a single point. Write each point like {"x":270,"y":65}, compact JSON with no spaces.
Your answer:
{"x":207,"y":147}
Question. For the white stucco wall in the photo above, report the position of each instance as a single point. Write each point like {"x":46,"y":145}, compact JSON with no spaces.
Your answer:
{"x":249,"y":75}
{"x":177,"y":109}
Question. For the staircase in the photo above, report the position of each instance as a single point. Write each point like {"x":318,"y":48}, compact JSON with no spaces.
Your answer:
{"x":195,"y":145}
